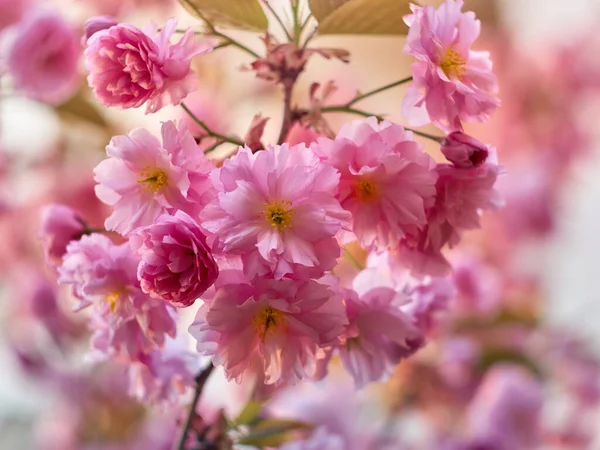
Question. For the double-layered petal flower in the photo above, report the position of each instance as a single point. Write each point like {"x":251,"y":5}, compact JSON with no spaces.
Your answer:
{"x":144,"y":178}
{"x":277,"y":209}
{"x":177,"y":265}
{"x":451,"y":81}
{"x":272,"y":327}
{"x":387,"y":182}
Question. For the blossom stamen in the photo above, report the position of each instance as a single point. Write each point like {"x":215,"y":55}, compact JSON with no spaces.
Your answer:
{"x":453,"y":64}
{"x":366,"y":190}
{"x":154,"y":179}
{"x":112,"y":300}
{"x":268,"y":321}
{"x":279,"y":214}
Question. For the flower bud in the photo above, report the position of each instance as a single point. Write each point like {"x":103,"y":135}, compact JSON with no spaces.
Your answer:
{"x":95,"y":24}
{"x":463,"y":150}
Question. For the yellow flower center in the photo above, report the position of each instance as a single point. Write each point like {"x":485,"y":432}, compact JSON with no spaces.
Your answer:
{"x":154,"y":179}
{"x":453,"y":64}
{"x":268,"y":321}
{"x":112,"y":300}
{"x":279,"y":214}
{"x":366,"y":190}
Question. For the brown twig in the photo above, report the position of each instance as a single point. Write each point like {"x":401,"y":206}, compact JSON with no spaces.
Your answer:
{"x":200,"y":382}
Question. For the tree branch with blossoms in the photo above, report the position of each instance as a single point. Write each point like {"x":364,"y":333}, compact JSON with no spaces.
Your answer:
{"x":255,"y":243}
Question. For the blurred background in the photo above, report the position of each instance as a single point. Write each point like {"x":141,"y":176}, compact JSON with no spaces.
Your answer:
{"x":536,"y":269}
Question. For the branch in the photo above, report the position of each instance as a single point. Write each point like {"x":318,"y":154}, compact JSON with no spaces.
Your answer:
{"x":288,"y":86}
{"x":359,"y":112}
{"x":210,"y":132}
{"x":200,"y":382}
{"x":360,"y":97}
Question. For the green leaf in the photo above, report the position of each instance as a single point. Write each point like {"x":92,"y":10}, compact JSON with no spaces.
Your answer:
{"x":239,"y":14}
{"x":272,"y":432}
{"x":322,"y":8}
{"x":374,"y":17}
{"x":248,"y":414}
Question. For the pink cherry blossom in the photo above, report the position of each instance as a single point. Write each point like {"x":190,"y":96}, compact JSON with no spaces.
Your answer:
{"x":378,"y":336}
{"x":462,"y":194}
{"x":451,"y":81}
{"x":277,"y":325}
{"x":59,"y":225}
{"x":387,"y":181}
{"x":129,"y":67}
{"x":125,"y":322}
{"x":144,"y":178}
{"x":277,"y":209}
{"x":176,"y":265}
{"x":131,"y":337}
{"x":99,"y":271}
{"x":44,"y":56}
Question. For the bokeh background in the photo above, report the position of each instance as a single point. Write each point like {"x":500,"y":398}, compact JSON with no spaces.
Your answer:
{"x":546,"y":240}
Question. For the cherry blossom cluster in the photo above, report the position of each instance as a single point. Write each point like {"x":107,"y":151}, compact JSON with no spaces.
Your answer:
{"x":259,"y":236}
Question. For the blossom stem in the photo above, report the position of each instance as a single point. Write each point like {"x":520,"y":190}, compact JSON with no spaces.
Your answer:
{"x":349,"y":110}
{"x":278,"y":19}
{"x":360,"y":97}
{"x":437,"y":139}
{"x":288,"y":86}
{"x":227,"y":40}
{"x":200,"y":381}
{"x":297,"y":27}
{"x":210,"y":132}
{"x":359,"y":112}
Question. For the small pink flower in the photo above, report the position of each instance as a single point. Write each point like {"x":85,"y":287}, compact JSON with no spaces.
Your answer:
{"x":378,"y":336}
{"x":143,"y":178}
{"x":176,"y":265}
{"x":132,"y":337}
{"x":463,"y":150}
{"x":462,"y":195}
{"x":277,"y":209}
{"x":129,"y":67}
{"x":95,"y":24}
{"x":59,"y":225}
{"x":387,"y":181}
{"x":278,"y":325}
{"x":451,"y":81}
{"x":125,"y":321}
{"x":43,"y":58}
